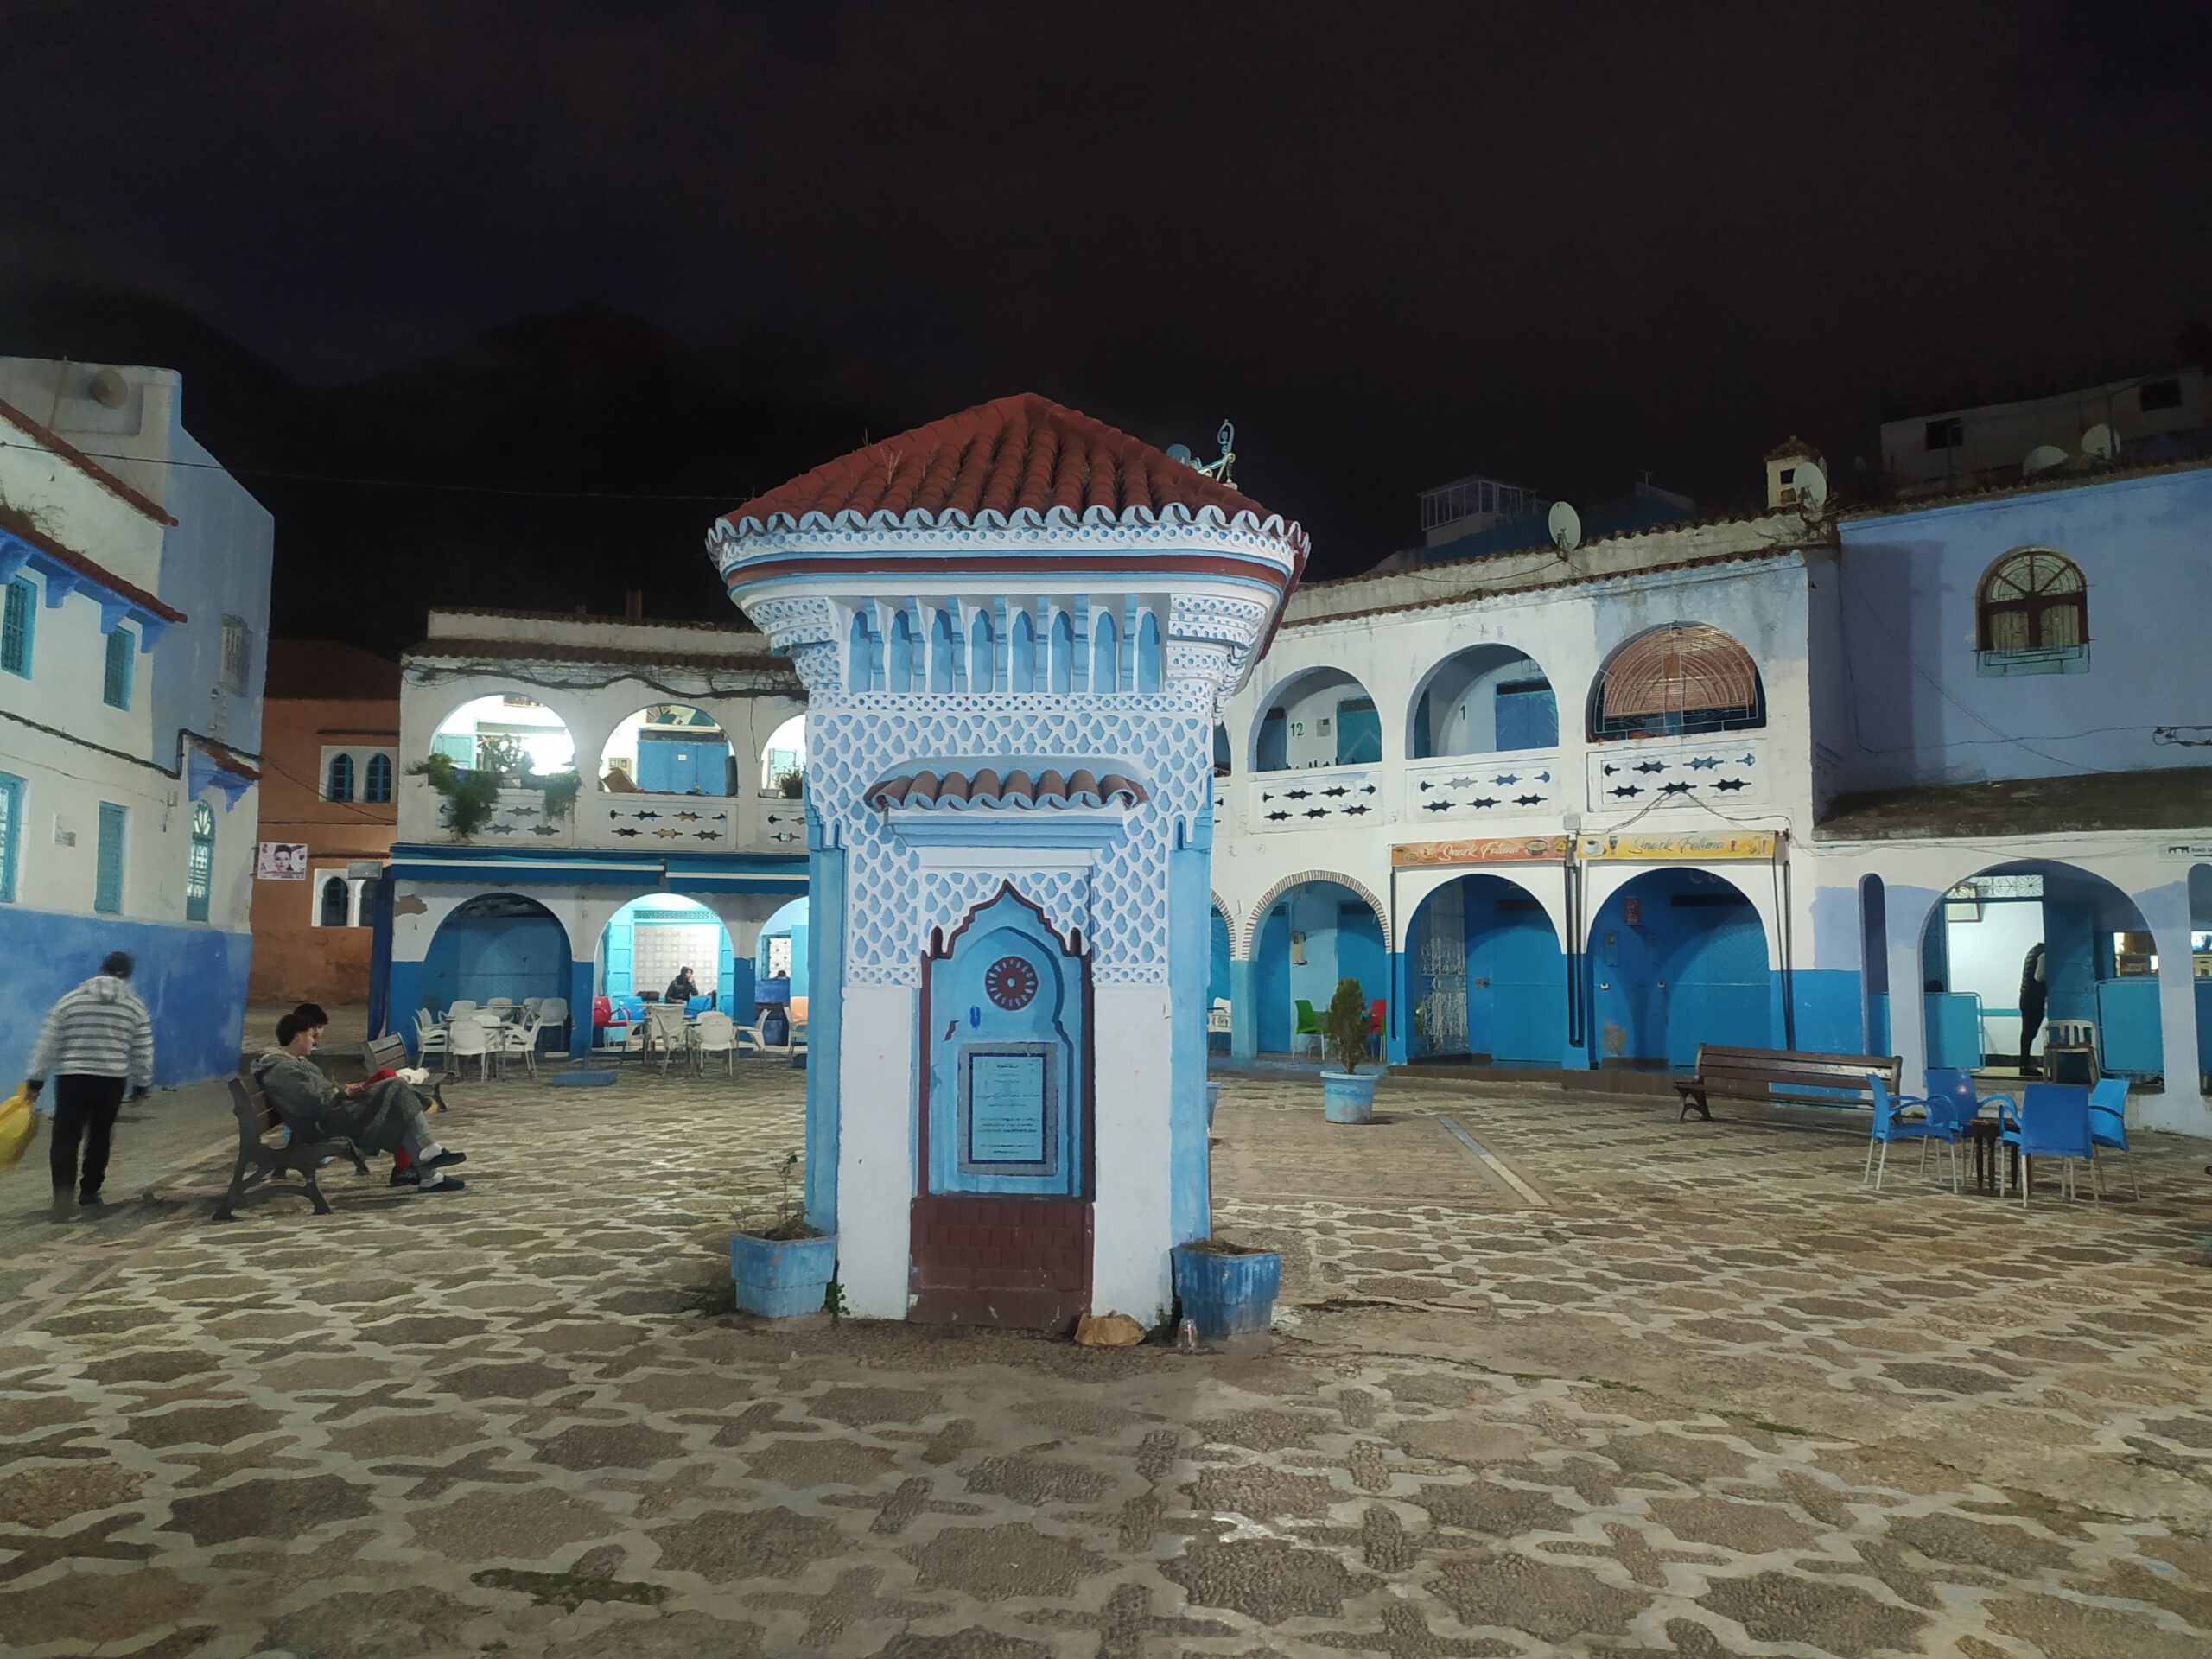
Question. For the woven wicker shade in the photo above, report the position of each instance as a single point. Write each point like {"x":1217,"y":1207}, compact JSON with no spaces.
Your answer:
{"x":1678,"y":671}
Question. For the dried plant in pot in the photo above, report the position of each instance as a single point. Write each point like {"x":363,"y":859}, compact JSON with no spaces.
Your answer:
{"x":783,"y":1266}
{"x":1348,"y":1093}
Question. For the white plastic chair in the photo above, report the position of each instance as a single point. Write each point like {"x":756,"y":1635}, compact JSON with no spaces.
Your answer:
{"x":464,"y":1037}
{"x":522,"y":1038}
{"x":553,"y":1015}
{"x":460,"y":1008}
{"x":667,"y":1032}
{"x":498,"y":1001}
{"x":429,"y":1036}
{"x":532,"y":1004}
{"x":717,"y":1033}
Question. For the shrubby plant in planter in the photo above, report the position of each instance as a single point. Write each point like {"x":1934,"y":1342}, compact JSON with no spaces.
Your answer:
{"x":1348,"y":1095}
{"x":782,"y":1265}
{"x":472,"y":793}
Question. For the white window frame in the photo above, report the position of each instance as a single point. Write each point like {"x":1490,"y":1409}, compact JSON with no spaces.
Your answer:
{"x":360,"y":757}
{"x":317,"y":878}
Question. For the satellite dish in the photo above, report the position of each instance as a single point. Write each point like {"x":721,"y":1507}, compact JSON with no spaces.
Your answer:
{"x":107,"y":389}
{"x":1566,"y":527}
{"x":1179,"y":452}
{"x":2042,"y":459}
{"x":2100,"y":443}
{"x":1812,"y":486}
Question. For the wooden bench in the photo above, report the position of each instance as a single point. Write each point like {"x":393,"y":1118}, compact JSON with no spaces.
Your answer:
{"x":1787,"y":1076}
{"x":261,"y":1163}
{"x":389,"y":1053}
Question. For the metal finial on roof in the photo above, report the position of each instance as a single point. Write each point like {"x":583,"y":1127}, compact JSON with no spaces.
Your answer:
{"x":1217,"y":468}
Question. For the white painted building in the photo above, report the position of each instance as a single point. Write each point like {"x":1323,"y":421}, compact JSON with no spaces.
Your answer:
{"x":2148,"y":417}
{"x":1590,"y":809}
{"x":540,"y":900}
{"x":135,"y":574}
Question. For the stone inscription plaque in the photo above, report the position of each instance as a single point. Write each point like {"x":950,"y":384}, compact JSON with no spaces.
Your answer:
{"x":1009,"y":1109}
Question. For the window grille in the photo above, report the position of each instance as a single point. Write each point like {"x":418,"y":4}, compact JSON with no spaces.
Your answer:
{"x":340,"y":785}
{"x":1685,"y":679}
{"x":238,"y":654}
{"x":16,"y":621}
{"x":115,"y":686}
{"x":377,"y":782}
{"x":11,"y":833}
{"x":107,"y":879}
{"x":2033,"y":599}
{"x":200,"y":873}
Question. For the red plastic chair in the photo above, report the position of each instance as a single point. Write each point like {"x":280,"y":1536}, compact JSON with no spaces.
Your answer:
{"x":1378,"y":1017}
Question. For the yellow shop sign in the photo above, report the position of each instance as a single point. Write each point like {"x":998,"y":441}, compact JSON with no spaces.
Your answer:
{"x":1688,"y":846}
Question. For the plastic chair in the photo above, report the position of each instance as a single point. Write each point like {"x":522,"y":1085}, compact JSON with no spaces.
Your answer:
{"x":553,"y":1013}
{"x":1890,"y":1126}
{"x":498,"y":1001}
{"x":2108,"y":1124}
{"x":667,"y":1032}
{"x":2054,"y":1123}
{"x":459,"y":1008}
{"x":523,"y":1039}
{"x":429,"y":1035}
{"x":1378,"y":1016}
{"x":717,"y":1034}
{"x":467,"y":1038}
{"x":1309,"y":1025}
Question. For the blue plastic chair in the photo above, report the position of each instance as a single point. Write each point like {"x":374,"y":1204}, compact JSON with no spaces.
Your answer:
{"x":1890,"y":1125}
{"x":2108,"y":1124}
{"x":2054,"y":1123}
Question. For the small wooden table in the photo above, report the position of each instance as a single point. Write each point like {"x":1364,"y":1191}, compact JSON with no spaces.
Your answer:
{"x":1983,"y":1132}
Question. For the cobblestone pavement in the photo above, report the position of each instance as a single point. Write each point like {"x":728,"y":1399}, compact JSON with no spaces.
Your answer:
{"x":1615,"y":1387}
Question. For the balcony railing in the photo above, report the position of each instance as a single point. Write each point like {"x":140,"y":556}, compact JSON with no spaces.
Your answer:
{"x":1478,"y":788}
{"x":603,"y":820}
{"x":1321,"y":797}
{"x":1628,"y":777}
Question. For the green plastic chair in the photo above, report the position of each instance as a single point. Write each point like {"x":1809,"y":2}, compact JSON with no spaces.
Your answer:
{"x":1309,"y":1025}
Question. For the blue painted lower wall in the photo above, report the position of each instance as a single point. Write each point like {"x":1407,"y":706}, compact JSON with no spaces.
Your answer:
{"x":192,"y":980}
{"x":1189,"y":1187}
{"x":825,"y":1012}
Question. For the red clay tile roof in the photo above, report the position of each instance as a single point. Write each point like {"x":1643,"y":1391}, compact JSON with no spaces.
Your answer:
{"x":60,"y":446}
{"x":442,"y":649}
{"x":90,"y":568}
{"x":987,"y":787}
{"x":1013,"y":455}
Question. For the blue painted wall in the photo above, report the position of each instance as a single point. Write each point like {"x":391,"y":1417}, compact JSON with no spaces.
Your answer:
{"x":1217,"y":965}
{"x":1685,"y":973}
{"x":1898,"y":614}
{"x":1190,"y":1175}
{"x":192,"y":980}
{"x":1271,"y":982}
{"x":825,"y":1026}
{"x":215,"y":561}
{"x":480,"y":957}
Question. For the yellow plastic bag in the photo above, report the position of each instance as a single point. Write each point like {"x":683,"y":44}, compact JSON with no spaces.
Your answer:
{"x":18,"y":1127}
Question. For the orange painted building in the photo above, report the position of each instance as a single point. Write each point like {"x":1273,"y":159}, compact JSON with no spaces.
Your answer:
{"x":330,"y":760}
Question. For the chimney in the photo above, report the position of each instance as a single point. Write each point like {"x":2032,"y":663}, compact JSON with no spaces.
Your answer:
{"x":633,"y":604}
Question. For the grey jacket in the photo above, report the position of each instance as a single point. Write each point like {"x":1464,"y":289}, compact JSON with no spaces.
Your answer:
{"x":375,"y":1120}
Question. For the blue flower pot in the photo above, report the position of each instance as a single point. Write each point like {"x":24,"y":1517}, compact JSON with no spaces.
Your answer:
{"x":782,"y":1278}
{"x":1213,"y":1099}
{"x":1227,"y":1296}
{"x":1348,"y":1096}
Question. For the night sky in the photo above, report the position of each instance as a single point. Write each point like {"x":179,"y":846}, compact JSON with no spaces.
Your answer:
{"x":674,"y":253}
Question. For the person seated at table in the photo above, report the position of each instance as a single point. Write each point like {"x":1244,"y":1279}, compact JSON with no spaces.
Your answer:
{"x":680,"y":989}
{"x":385,"y":1116}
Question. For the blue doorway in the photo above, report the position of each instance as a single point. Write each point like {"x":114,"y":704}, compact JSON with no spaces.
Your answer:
{"x":1678,"y":957}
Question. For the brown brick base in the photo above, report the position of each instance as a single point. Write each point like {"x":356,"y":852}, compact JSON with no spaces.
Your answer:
{"x":1021,"y":1263}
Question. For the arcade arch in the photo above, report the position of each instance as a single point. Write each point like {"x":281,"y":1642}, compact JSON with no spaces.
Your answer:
{"x":1485,"y":699}
{"x":1485,"y":978}
{"x":1306,"y":934}
{"x":2100,"y":965}
{"x":668,"y":748}
{"x":1678,"y":956}
{"x":1317,"y":717}
{"x":503,"y":726}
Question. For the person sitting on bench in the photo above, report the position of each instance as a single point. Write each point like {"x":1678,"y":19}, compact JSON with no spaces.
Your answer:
{"x":385,"y":1116}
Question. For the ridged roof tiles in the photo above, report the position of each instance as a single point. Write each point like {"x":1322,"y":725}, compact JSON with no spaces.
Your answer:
{"x":1018,"y":455}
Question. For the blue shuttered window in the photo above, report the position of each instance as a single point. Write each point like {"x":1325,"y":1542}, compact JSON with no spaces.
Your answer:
{"x":107,"y":882}
{"x":115,"y":687}
{"x":200,"y":874}
{"x":16,"y":621}
{"x":340,"y":783}
{"x":377,"y":782}
{"x":11,"y":833}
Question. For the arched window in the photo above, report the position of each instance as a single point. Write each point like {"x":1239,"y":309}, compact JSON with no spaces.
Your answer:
{"x":1021,"y":661}
{"x":898,"y":665}
{"x":200,"y":873}
{"x":982,"y":672}
{"x":334,"y":896}
{"x":865,"y":672}
{"x":1147,"y":674}
{"x":1063,"y":652}
{"x":376,"y":783}
{"x":365,"y":908}
{"x":940,"y":652}
{"x":340,"y":783}
{"x":1683,"y":678}
{"x":2033,"y":601}
{"x":1105,"y":655}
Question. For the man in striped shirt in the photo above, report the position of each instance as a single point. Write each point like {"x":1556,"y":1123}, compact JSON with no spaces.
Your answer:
{"x":97,"y":1043}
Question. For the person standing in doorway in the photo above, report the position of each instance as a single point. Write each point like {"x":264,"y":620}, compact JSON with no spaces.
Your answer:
{"x":2034,"y":994}
{"x":97,"y":1043}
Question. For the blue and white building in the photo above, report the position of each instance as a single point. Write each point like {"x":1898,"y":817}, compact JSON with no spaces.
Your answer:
{"x":683,"y":843}
{"x":1794,"y":779}
{"x":135,"y":574}
{"x":1016,"y":628}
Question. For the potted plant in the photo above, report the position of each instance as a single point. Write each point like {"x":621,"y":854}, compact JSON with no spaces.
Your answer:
{"x":1226,"y":1290}
{"x":783,"y":1266}
{"x":1348,"y":1096}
